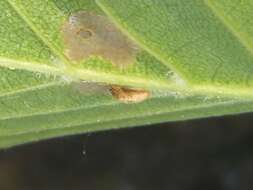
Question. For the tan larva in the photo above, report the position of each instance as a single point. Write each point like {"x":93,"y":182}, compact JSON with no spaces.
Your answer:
{"x":87,"y":34}
{"x":129,"y":95}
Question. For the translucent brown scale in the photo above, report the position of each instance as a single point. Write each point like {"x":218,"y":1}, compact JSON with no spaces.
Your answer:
{"x":86,"y":34}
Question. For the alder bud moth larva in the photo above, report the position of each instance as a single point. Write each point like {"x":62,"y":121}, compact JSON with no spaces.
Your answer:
{"x":129,"y":95}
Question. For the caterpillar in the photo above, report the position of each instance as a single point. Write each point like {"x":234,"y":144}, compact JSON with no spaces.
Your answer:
{"x":129,"y":95}
{"x":122,"y":94}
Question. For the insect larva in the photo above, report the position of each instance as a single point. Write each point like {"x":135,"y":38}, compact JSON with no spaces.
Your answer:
{"x":87,"y":34}
{"x":122,"y":94}
{"x":129,"y":95}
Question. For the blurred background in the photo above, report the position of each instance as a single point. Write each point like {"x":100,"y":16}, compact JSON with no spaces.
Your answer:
{"x":201,"y":154}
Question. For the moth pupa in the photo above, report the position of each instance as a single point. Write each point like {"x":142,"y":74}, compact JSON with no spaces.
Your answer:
{"x":129,"y":95}
{"x":86,"y":34}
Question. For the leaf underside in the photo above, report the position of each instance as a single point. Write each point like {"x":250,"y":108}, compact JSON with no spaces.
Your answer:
{"x":196,"y":59}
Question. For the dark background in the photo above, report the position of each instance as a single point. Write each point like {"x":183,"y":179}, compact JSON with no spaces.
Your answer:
{"x":204,"y":154}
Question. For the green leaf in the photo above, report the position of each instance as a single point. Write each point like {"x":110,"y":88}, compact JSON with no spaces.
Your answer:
{"x":195,"y":59}
{"x":198,"y":39}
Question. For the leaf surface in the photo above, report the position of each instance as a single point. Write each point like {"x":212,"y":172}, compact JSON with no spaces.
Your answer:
{"x":195,"y":58}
